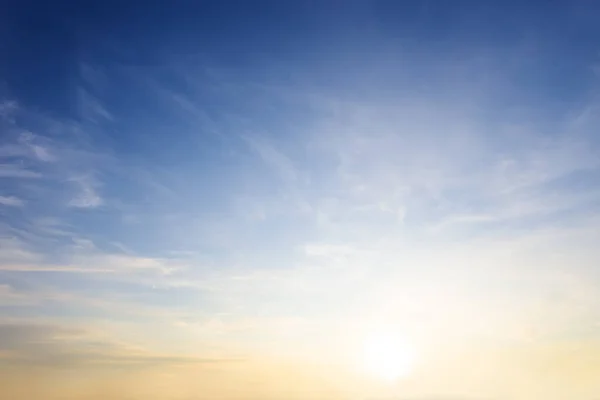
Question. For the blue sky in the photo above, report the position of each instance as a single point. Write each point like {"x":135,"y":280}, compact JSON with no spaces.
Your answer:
{"x":196,"y":183}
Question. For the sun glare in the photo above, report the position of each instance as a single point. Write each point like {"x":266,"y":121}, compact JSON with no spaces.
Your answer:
{"x":388,"y":356}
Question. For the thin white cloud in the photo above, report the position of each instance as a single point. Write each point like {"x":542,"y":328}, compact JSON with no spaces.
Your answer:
{"x":36,"y":343}
{"x":91,"y":108}
{"x":7,"y":109}
{"x":10,"y":296}
{"x":17,"y":171}
{"x":42,"y":153}
{"x":87,"y":196}
{"x":15,"y":251}
{"x":54,"y":268}
{"x":83,"y":256}
{"x":94,"y":82}
{"x":39,"y":151}
{"x":256,"y":204}
{"x":11,"y":201}
{"x":328,"y":250}
{"x":438,"y":162}
{"x":51,"y":227}
{"x":12,"y":150}
{"x":275,"y":159}
{"x":115,"y":264}
{"x":122,"y":263}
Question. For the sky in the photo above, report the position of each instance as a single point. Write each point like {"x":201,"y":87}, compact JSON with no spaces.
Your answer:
{"x":229,"y":199}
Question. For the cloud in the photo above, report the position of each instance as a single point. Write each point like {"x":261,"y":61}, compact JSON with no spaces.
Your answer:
{"x":39,"y":151}
{"x":12,"y":150}
{"x":290,"y":196}
{"x":11,"y":201}
{"x":10,"y":296}
{"x":14,"y":250}
{"x":428,"y":163}
{"x":7,"y":109}
{"x":56,"y":268}
{"x":45,"y":156}
{"x":116,"y":263}
{"x":19,"y":258}
{"x":93,"y":82}
{"x":275,"y":159}
{"x":91,"y":109}
{"x":87,"y":196}
{"x":45,"y":344}
{"x":16,"y":171}
{"x":83,"y":257}
{"x":28,"y":146}
{"x":31,"y":295}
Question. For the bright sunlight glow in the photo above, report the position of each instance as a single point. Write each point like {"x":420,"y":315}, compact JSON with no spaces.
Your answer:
{"x":388,"y":356}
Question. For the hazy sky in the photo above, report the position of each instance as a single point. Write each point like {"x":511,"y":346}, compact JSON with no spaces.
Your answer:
{"x":224,"y":200}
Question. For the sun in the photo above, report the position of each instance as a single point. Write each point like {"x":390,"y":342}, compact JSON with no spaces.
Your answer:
{"x":388,"y":356}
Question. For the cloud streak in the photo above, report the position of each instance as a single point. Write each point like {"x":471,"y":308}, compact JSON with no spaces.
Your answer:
{"x":11,"y":201}
{"x":15,"y":171}
{"x":39,"y":344}
{"x":88,"y":196}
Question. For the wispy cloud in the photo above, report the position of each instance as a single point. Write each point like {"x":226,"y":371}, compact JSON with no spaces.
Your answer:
{"x":40,"y":151}
{"x":40,"y":344}
{"x":17,"y":171}
{"x":45,"y":156}
{"x":280,"y":164}
{"x":87,"y":196}
{"x":15,"y":250}
{"x":11,"y":201}
{"x":10,"y":296}
{"x":90,"y":107}
{"x":7,"y":108}
{"x":82,"y":257}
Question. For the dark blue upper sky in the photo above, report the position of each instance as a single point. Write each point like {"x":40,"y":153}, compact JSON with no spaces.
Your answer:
{"x":45,"y":43}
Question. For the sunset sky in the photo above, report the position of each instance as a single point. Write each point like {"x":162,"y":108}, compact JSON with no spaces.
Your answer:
{"x":329,"y":200}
